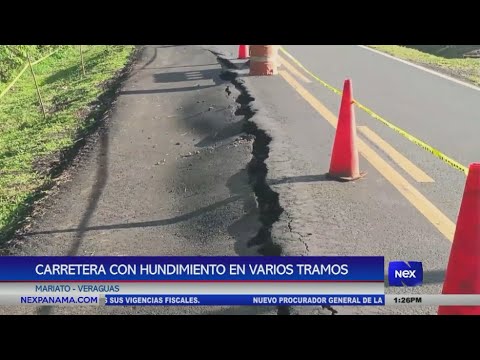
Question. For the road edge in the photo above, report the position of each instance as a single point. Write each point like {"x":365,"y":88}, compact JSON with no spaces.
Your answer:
{"x":64,"y":161}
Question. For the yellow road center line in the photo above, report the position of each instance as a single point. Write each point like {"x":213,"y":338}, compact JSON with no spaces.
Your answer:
{"x":414,"y":171}
{"x":293,"y":70}
{"x":420,"y":202}
{"x":413,"y":139}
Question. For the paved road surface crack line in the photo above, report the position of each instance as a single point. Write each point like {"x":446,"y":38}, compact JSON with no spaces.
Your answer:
{"x":267,"y":200}
{"x":300,"y":236}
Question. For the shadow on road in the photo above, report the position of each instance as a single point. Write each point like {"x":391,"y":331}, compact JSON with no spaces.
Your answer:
{"x":101,"y":178}
{"x":238,"y":184}
{"x":152,"y":59}
{"x":180,"y":76}
{"x":300,"y":179}
{"x":81,"y":230}
{"x":177,"y":67}
{"x":163,"y":91}
{"x":189,"y":75}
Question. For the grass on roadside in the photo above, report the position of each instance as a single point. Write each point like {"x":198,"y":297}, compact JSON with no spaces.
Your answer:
{"x":28,"y":141}
{"x":466,"y":69}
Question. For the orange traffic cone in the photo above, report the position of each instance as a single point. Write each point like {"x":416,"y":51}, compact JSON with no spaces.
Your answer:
{"x":263,"y":60}
{"x":243,"y":51}
{"x":463,"y":269}
{"x":344,"y":161}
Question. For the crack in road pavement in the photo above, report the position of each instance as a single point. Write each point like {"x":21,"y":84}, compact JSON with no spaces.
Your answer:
{"x":290,"y":228}
{"x":267,"y":199}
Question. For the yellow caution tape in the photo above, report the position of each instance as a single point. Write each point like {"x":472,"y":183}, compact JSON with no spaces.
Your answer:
{"x":45,"y":57}
{"x":23,"y":70}
{"x":413,"y":139}
{"x":14,"y":80}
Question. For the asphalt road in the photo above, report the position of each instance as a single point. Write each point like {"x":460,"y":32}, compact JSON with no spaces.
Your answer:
{"x":370,"y":216}
{"x":165,"y":176}
{"x":136,"y":193}
{"x":438,"y":111}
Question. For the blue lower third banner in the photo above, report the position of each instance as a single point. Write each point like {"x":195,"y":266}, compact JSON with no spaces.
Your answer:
{"x":253,"y":300}
{"x":194,"y":268}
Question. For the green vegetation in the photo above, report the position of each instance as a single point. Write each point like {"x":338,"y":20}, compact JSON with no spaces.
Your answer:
{"x":447,"y":51}
{"x":13,"y":56}
{"x":466,"y":69}
{"x":28,"y":142}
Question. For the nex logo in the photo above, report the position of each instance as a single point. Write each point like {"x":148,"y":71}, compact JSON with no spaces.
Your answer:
{"x":401,"y":273}
{"x":405,"y":273}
